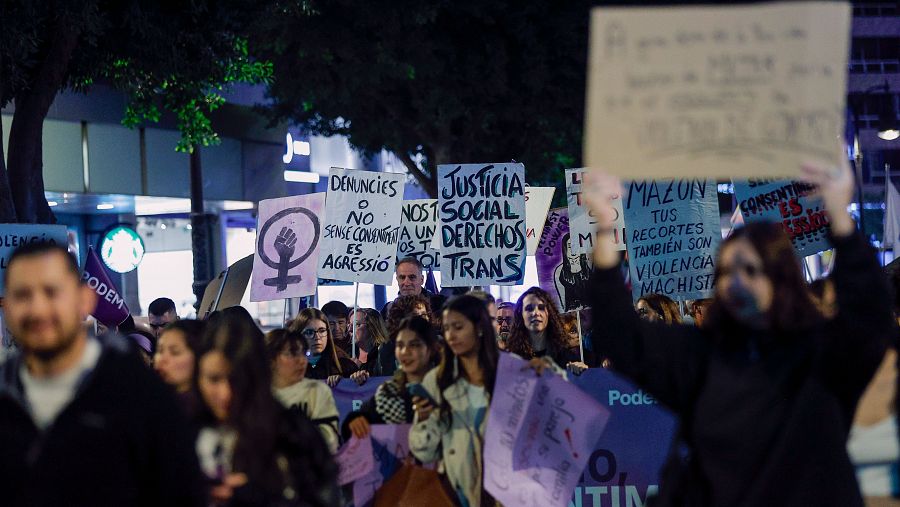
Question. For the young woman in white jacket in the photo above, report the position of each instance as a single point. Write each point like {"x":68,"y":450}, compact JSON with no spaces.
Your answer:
{"x":450,"y":425}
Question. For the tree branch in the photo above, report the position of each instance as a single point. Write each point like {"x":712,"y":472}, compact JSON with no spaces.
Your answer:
{"x":428,"y":184}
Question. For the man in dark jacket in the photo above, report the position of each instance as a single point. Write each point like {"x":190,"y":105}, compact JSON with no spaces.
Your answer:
{"x":82,"y":422}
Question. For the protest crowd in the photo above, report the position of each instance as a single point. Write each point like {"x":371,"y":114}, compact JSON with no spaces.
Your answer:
{"x":658,"y":361}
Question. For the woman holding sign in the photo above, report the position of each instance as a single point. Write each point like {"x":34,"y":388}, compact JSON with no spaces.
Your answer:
{"x":766,"y":390}
{"x":451,"y":410}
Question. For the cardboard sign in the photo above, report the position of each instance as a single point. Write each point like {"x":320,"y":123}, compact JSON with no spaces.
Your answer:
{"x":418,"y":227}
{"x":788,"y":203}
{"x":362,"y":225}
{"x":708,"y":91}
{"x":673,"y":235}
{"x":582,"y":225}
{"x":354,"y":460}
{"x":537,"y":203}
{"x":535,"y":446}
{"x":482,"y":220}
{"x":13,"y":236}
{"x":287,"y":247}
{"x":564,"y":274}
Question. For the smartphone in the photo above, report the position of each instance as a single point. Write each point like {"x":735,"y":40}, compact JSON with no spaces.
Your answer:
{"x":416,"y":389}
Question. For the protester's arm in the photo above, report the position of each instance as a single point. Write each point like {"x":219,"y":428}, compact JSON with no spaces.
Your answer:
{"x":425,"y":435}
{"x":325,"y":416}
{"x":366,"y":411}
{"x":859,"y":335}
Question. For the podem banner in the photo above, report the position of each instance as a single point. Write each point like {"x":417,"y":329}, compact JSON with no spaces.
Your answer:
{"x":287,"y":247}
{"x":111,"y":309}
{"x":362,"y":225}
{"x":13,"y":236}
{"x":582,"y":225}
{"x":673,"y":235}
{"x":790,"y":204}
{"x":482,"y":220}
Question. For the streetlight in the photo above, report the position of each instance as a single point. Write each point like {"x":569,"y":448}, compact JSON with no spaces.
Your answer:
{"x":888,"y":130}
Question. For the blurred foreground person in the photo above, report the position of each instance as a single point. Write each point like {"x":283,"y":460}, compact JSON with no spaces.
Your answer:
{"x":766,"y":389}
{"x":82,"y":421}
{"x":253,"y":451}
{"x":176,"y":354}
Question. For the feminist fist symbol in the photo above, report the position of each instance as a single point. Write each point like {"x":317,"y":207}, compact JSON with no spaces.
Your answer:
{"x":284,"y":246}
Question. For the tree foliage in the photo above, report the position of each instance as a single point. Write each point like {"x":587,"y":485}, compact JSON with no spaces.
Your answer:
{"x":164,"y":55}
{"x":460,"y":81}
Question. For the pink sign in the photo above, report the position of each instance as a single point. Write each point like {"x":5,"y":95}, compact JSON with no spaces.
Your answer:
{"x":354,"y":460}
{"x":287,"y":247}
{"x":539,"y":436}
{"x":390,"y":446}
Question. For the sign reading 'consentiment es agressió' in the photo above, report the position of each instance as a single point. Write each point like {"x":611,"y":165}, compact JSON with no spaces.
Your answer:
{"x":362,"y":221}
{"x":482,"y":219}
{"x":673,"y":234}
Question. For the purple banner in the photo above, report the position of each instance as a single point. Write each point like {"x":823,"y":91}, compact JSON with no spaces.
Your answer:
{"x":561,"y":272}
{"x":624,"y":464}
{"x":349,"y":397}
{"x":390,"y":446}
{"x":111,"y":309}
{"x":354,"y":460}
{"x":535,"y":446}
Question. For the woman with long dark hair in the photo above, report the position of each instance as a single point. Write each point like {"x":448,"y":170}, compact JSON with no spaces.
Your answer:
{"x":572,"y":278}
{"x":176,"y":355}
{"x":766,"y":389}
{"x":452,"y":428}
{"x":537,"y":329}
{"x":326,"y":361}
{"x":254,"y":451}
{"x":417,"y":349}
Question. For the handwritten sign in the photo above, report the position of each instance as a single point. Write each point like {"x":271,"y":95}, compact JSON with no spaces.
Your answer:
{"x":537,"y":203}
{"x":390,"y":446}
{"x":287,"y":247}
{"x":673,"y":235}
{"x":564,"y":274}
{"x":748,"y":90}
{"x":362,"y":224}
{"x":13,"y":236}
{"x":535,"y":445}
{"x":581,"y":224}
{"x":418,"y":227}
{"x":482,"y":218}
{"x":789,"y":203}
{"x":354,"y":460}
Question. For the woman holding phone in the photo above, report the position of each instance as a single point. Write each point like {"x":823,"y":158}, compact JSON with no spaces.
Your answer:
{"x":416,"y":348}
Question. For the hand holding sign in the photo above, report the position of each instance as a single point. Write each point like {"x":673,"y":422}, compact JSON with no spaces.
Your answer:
{"x":835,"y":187}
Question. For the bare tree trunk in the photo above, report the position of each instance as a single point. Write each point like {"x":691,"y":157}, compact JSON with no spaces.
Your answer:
{"x":201,"y":231}
{"x":7,"y":208}
{"x":26,"y":181}
{"x":429,"y":184}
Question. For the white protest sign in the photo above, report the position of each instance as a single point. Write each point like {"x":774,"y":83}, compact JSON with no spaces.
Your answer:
{"x":13,"y":236}
{"x":287,"y":247}
{"x":418,"y":227}
{"x":582,"y":226}
{"x":362,"y":221}
{"x":537,"y":204}
{"x":708,"y":91}
{"x":482,"y":219}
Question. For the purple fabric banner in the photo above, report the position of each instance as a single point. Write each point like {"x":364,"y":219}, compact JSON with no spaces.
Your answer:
{"x":111,"y":309}
{"x":349,"y":397}
{"x":561,"y":272}
{"x":354,"y":460}
{"x":535,"y":446}
{"x":623,"y":465}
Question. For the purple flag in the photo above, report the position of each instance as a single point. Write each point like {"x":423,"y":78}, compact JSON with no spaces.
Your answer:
{"x":354,"y":460}
{"x":390,"y":446}
{"x":535,"y":446}
{"x":111,"y":309}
